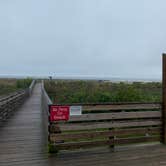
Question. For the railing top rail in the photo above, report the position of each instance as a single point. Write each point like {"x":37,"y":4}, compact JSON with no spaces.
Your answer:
{"x":115,"y":106}
{"x":111,"y":103}
{"x":49,"y":102}
{"x":11,"y":95}
{"x":32,"y":84}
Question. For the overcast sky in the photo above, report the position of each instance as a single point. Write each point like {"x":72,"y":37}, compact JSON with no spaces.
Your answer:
{"x":102,"y":38}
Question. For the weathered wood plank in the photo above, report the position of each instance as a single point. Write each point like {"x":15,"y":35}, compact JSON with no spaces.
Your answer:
{"x":117,"y":106}
{"x":117,"y":115}
{"x":129,"y":106}
{"x":121,"y":141}
{"x":101,"y":134}
{"x":101,"y":125}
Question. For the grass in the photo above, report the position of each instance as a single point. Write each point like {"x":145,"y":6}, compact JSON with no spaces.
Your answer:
{"x":95,"y":92}
{"x":11,"y":85}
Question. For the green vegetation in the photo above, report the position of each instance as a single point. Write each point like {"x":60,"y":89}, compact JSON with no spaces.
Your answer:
{"x":10,"y":85}
{"x":23,"y":83}
{"x":99,"y":91}
{"x":52,"y":149}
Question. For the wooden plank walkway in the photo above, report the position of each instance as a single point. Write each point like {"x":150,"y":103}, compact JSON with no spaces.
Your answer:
{"x":23,"y":142}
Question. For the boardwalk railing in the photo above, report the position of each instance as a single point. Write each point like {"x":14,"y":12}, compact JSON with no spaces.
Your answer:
{"x":45,"y":102}
{"x":108,"y":124}
{"x":30,"y":89}
{"x":45,"y":99}
{"x":12,"y":101}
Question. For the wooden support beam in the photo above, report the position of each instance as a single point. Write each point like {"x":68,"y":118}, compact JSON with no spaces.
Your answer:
{"x":164,"y":98}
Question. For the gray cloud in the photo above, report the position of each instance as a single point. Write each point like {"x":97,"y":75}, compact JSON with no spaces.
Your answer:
{"x":81,"y":37}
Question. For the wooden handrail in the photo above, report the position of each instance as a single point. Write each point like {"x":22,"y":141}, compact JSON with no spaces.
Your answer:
{"x":46,"y":101}
{"x":49,"y":102}
{"x":15,"y":99}
{"x":31,"y":87}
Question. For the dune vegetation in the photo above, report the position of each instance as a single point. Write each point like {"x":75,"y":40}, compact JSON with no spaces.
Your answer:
{"x":63,"y":91}
{"x":10,"y":85}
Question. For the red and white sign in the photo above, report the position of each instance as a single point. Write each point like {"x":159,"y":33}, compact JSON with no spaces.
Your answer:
{"x":59,"y":113}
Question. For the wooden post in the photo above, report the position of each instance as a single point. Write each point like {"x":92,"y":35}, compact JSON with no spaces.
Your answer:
{"x":164,"y":99}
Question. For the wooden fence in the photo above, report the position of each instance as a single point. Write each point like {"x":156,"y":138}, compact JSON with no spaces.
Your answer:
{"x":11,"y":102}
{"x":109,"y":124}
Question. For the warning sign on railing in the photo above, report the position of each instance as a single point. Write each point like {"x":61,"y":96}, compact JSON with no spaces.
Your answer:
{"x":58,"y":113}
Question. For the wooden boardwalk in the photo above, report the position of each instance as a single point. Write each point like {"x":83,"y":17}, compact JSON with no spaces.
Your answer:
{"x":23,"y":142}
